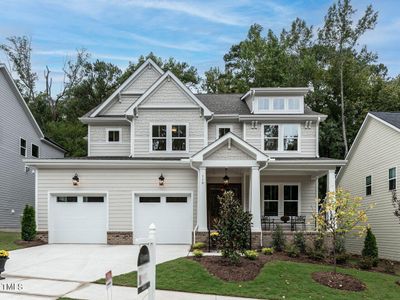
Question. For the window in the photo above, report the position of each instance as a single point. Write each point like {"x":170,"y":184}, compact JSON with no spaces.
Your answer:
{"x":290,"y":137}
{"x":114,"y":136}
{"x":271,"y":137}
{"x":159,"y":137}
{"x":392,"y":179}
{"x":35,"y":150}
{"x":178,"y":137}
{"x":283,"y":137}
{"x":176,"y":199}
{"x":68,"y":199}
{"x":290,"y":200}
{"x":22,"y":147}
{"x":279,"y":104}
{"x":91,"y":199}
{"x":271,"y":200}
{"x":368,"y":185}
{"x":294,"y":104}
{"x":222,"y":131}
{"x":263,"y":104}
{"x":149,"y":199}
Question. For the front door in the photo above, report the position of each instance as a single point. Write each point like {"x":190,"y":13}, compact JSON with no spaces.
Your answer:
{"x":213,"y":191}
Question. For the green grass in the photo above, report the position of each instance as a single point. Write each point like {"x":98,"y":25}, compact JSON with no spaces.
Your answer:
{"x":7,"y":240}
{"x":277,"y":279}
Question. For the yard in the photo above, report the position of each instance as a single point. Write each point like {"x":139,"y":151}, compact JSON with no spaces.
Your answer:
{"x":277,"y":280}
{"x":8,"y":239}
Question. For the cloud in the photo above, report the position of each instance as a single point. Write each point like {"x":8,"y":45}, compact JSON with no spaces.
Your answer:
{"x":65,"y":53}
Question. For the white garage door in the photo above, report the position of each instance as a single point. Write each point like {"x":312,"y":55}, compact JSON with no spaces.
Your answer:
{"x":172,"y":215}
{"x":78,"y":219}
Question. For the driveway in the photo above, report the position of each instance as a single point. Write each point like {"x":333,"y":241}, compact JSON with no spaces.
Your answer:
{"x":54,"y":270}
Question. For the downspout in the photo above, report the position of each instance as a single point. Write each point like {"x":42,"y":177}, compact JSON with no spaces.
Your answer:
{"x":317,"y":137}
{"x":262,"y":168}
{"x":198,"y":181}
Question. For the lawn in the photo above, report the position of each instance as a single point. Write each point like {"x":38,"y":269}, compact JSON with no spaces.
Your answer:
{"x":7,"y":240}
{"x":277,"y":280}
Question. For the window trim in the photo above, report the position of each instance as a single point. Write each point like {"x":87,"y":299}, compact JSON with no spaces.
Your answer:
{"x":119,"y":129}
{"x":394,"y":178}
{"x":281,"y":200}
{"x":168,"y":137}
{"x":368,"y":185}
{"x":20,"y":147}
{"x":281,"y":138}
{"x":285,"y":109}
{"x":219,"y":126}
{"x":32,"y":144}
{"x":264,"y":200}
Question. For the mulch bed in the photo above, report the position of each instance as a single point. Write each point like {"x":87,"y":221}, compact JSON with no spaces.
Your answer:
{"x":339,"y":281}
{"x":27,"y":244}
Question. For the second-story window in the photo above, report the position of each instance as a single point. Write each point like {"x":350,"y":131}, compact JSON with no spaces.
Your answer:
{"x":114,"y":136}
{"x":169,"y":138}
{"x":178,"y":137}
{"x":282,"y":137}
{"x":35,"y":151}
{"x":392,"y":179}
{"x":222,"y":130}
{"x":22,"y":147}
{"x":159,"y":138}
{"x":290,"y":137}
{"x":271,"y":140}
{"x":368,"y":185}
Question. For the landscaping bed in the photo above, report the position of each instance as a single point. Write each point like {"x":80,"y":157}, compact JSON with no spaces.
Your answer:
{"x":12,"y":241}
{"x":339,"y":281}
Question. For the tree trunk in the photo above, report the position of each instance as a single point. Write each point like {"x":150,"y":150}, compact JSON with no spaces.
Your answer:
{"x":334,"y":252}
{"x":346,"y":146}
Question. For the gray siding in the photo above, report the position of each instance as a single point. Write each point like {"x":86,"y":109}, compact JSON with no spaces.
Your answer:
{"x":17,"y":187}
{"x":223,"y":153}
{"x":120,"y":106}
{"x":143,"y":81}
{"x":237,"y":128}
{"x":119,"y":183}
{"x":99,"y":145}
{"x":377,"y":151}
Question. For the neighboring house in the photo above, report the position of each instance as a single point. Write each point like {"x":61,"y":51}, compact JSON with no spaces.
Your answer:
{"x":157,"y":153}
{"x":372,"y":171}
{"x":20,"y":138}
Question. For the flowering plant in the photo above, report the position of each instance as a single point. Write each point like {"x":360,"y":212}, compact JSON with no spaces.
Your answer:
{"x":4,"y":254}
{"x":214,"y":234}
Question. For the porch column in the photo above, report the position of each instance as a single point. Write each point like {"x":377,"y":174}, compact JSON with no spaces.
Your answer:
{"x":331,"y":184}
{"x":202,"y":200}
{"x":255,"y":198}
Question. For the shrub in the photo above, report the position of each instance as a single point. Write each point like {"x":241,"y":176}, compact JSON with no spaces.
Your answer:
{"x":233,"y":226}
{"x":28,"y":224}
{"x":366,"y":263}
{"x":300,"y":241}
{"x":267,"y":251}
{"x":198,"y":245}
{"x":370,"y":248}
{"x":278,"y":239}
{"x":251,"y":254}
{"x":292,"y":251}
{"x":389,"y":267}
{"x":198,"y":253}
{"x":342,"y":258}
{"x":316,"y":254}
{"x":318,"y":242}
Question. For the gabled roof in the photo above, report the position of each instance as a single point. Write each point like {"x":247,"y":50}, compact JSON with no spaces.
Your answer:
{"x":99,"y":108}
{"x":390,"y":119}
{"x":28,"y":112}
{"x":160,"y":80}
{"x":243,"y":145}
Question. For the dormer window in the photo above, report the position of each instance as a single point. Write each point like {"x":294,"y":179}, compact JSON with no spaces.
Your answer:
{"x":278,"y":105}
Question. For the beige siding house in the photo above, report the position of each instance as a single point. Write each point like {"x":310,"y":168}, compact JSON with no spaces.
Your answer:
{"x":158,"y":154}
{"x":371,"y":172}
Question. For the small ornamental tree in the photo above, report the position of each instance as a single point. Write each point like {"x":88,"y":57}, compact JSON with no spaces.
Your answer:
{"x":370,"y":248}
{"x":339,"y":214}
{"x":396,"y":204}
{"x":28,"y":224}
{"x":234,"y":225}
{"x":278,"y":239}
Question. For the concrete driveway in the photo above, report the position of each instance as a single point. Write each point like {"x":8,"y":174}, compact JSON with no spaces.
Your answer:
{"x":50,"y":271}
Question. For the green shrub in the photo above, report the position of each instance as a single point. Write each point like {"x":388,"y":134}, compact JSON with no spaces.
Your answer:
{"x":278,"y":239}
{"x":28,"y":224}
{"x":366,"y":263}
{"x":316,"y":254}
{"x":267,"y":251}
{"x":251,"y":254}
{"x":389,"y":266}
{"x":342,"y":258}
{"x":300,"y":241}
{"x":318,"y":242}
{"x":198,"y":253}
{"x":198,"y":245}
{"x":292,"y":251}
{"x":233,"y":226}
{"x":370,"y":248}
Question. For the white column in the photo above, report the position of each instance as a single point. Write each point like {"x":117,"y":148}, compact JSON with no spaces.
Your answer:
{"x":331,"y":184}
{"x":202,"y":200}
{"x":255,"y":199}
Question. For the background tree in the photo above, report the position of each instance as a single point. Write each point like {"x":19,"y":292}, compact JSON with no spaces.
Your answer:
{"x":339,"y":214}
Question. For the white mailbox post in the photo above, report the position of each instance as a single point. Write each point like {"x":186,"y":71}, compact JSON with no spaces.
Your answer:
{"x":146,"y":266}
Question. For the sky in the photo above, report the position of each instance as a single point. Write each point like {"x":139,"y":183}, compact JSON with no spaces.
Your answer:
{"x":198,"y":32}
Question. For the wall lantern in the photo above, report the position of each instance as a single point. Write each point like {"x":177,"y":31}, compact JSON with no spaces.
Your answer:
{"x":161,"y":180}
{"x":75,"y":180}
{"x":226,"y":178}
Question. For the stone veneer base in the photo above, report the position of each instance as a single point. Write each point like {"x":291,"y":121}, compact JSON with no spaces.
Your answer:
{"x":120,"y":237}
{"x":43,"y":236}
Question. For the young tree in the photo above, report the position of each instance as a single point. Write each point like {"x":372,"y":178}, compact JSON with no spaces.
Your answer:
{"x":340,"y":37}
{"x":370,"y":249}
{"x":396,"y":204}
{"x":28,"y":224}
{"x":339,"y":214}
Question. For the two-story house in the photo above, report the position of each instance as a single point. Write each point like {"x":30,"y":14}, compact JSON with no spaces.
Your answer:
{"x":157,"y":153}
{"x":20,"y":138}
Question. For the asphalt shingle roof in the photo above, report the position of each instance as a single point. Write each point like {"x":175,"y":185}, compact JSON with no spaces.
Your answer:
{"x":392,"y":118}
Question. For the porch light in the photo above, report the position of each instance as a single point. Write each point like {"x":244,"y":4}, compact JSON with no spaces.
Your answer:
{"x":161,"y":180}
{"x":226,"y":178}
{"x":75,"y":180}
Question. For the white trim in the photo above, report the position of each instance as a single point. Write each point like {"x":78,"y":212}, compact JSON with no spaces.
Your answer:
{"x":169,"y":137}
{"x":281,"y":138}
{"x":281,"y":196}
{"x":36,"y":197}
{"x":367,"y":185}
{"x":125,"y":83}
{"x":89,"y":141}
{"x":119,"y":129}
{"x":224,"y":125}
{"x":159,"y":81}
{"x":283,"y":111}
{"x":277,"y":91}
{"x":32,"y":144}
{"x":20,"y":147}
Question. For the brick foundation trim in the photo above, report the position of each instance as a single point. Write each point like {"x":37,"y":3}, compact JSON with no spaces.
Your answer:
{"x":43,"y":236}
{"x":120,"y":237}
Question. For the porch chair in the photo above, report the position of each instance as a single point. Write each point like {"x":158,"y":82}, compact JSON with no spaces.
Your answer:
{"x":266,"y":220}
{"x":295,"y":220}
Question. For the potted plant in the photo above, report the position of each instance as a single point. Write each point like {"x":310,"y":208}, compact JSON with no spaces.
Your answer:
{"x":285,"y":219}
{"x":3,"y":258}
